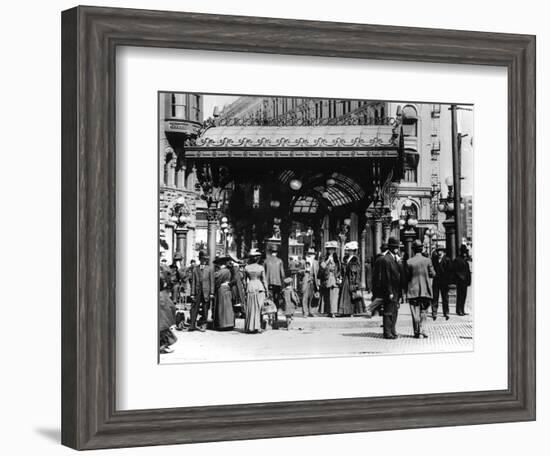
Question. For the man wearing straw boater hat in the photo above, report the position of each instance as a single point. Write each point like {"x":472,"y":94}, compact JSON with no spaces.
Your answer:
{"x":387,"y":282}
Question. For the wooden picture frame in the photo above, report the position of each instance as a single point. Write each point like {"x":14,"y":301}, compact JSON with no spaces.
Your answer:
{"x":90,"y":36}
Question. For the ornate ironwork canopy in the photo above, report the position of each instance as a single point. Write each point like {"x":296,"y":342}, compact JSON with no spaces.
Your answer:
{"x":349,"y":141}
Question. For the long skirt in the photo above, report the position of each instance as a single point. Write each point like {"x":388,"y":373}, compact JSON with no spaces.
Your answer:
{"x":347,"y":305}
{"x":330,"y":300}
{"x":224,"y":316}
{"x":253,"y":312}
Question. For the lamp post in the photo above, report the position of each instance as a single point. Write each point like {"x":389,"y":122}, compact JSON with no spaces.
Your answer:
{"x":224,"y":225}
{"x":180,"y":218}
{"x":343,"y":235}
{"x":430,"y":232}
{"x":447,"y":206}
{"x":407,"y":223}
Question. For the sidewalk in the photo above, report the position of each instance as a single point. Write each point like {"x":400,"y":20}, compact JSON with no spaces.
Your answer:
{"x":320,"y":336}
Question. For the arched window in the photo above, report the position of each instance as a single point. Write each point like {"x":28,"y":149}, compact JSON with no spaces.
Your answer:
{"x":409,"y":116}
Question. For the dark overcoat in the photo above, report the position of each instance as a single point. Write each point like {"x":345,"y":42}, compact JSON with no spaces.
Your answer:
{"x":386,"y":278}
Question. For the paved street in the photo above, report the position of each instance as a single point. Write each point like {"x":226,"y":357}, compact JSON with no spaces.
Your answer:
{"x":322,"y":337}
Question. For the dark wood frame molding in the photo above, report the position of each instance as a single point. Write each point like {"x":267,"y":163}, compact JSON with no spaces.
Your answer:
{"x":90,"y":36}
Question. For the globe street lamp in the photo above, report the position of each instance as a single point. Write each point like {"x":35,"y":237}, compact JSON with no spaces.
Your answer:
{"x":180,"y":218}
{"x":224,"y":225}
{"x":407,"y":223}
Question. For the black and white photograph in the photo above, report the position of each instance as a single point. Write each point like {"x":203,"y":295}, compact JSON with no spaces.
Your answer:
{"x":310,"y":227}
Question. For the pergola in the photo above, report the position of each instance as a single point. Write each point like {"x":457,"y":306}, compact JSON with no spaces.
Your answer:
{"x":339,"y":168}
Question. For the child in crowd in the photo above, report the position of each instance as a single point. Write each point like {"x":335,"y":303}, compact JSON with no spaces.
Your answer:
{"x":291,"y":300}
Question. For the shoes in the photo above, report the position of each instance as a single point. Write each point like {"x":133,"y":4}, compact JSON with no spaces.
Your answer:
{"x":198,"y":328}
{"x":434,"y":317}
{"x":447,"y":317}
{"x":424,"y":335}
{"x":166,"y":349}
{"x":417,"y":336}
{"x":310,"y":315}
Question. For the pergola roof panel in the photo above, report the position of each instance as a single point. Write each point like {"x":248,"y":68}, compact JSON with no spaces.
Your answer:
{"x":328,"y":136}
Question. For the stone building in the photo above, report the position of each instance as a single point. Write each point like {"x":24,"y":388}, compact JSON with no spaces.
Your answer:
{"x":182,"y":219}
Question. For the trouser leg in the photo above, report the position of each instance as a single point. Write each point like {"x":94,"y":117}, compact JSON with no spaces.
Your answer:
{"x":415,"y":315}
{"x":461,"y":291}
{"x":445,"y":298}
{"x":394,"y":318}
{"x":435,"y":300}
{"x":195,"y":307}
{"x":389,"y":318}
{"x":422,"y":308}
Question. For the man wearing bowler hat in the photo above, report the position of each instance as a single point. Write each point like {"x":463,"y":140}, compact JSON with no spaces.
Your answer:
{"x":463,"y":278}
{"x":387,"y":283}
{"x":443,"y":276}
{"x":202,"y":292}
{"x":419,"y":272}
{"x":275,"y":276}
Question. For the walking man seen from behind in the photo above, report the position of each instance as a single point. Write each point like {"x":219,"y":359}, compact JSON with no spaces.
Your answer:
{"x":419,"y":274}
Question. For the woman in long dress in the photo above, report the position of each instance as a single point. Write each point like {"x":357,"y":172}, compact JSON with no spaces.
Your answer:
{"x":224,"y":316}
{"x":350,"y":303}
{"x":329,"y":274}
{"x":255,"y":293}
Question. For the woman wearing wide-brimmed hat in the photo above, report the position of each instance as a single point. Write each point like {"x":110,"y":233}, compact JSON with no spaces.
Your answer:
{"x":329,"y":274}
{"x":350,"y":299}
{"x":256,"y":290}
{"x":223,"y":314}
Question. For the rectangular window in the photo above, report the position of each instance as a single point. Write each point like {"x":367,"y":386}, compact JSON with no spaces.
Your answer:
{"x":410,"y":175}
{"x":179,"y":105}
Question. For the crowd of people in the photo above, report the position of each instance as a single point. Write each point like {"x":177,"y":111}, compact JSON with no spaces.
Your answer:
{"x":203,"y":296}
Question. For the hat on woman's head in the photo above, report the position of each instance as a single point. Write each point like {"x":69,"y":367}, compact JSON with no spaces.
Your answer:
{"x":353,"y":245}
{"x":223,"y":259}
{"x":331,"y":245}
{"x":288,"y":281}
{"x":254,"y":252}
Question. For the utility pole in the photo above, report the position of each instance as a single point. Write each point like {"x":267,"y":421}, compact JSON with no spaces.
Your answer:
{"x":456,"y":178}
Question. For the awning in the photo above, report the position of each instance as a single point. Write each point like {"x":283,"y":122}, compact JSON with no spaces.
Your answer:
{"x":347,"y":141}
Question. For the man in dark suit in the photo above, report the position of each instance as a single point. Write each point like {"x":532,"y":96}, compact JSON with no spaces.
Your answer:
{"x":443,"y":275}
{"x":202,"y":293}
{"x":463,"y":278}
{"x":387,"y":284}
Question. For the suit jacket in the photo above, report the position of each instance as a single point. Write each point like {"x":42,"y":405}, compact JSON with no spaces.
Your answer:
{"x":202,"y":283}
{"x":386,"y":277}
{"x":461,"y":270}
{"x":314,"y":269}
{"x":274,"y":271}
{"x":443,"y":269}
{"x":420,"y":271}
